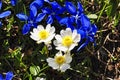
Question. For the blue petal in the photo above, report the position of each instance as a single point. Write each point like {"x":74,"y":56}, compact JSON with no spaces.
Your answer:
{"x":37,"y":3}
{"x":49,"y":19}
{"x":55,"y":5}
{"x":9,"y":76}
{"x":33,"y":12}
{"x":58,"y":18}
{"x":70,"y":8}
{"x":5,"y":14}
{"x":85,"y":21}
{"x":22,"y":17}
{"x":0,"y":4}
{"x":94,"y":29}
{"x":83,"y":45}
{"x":13,"y":2}
{"x":40,"y":17}
{"x":46,"y":10}
{"x":1,"y":77}
{"x":0,"y":23}
{"x":80,"y":8}
{"x":82,"y":33}
{"x":63,"y":21}
{"x":26,"y":28}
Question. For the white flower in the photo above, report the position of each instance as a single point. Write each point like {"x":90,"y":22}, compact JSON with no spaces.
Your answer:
{"x":67,"y":40}
{"x":60,"y":61}
{"x":40,"y":34}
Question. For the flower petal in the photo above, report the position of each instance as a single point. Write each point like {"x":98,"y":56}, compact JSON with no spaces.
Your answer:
{"x":26,"y":29}
{"x":50,"y":19}
{"x":37,"y":3}
{"x":80,"y":8}
{"x":33,"y":12}
{"x":68,"y":58}
{"x":64,"y":67}
{"x":13,"y":2}
{"x":22,"y":17}
{"x":9,"y":76}
{"x":51,"y":62}
{"x":70,"y":8}
{"x":0,"y":23}
{"x":5,"y":14}
{"x":85,"y":21}
{"x":0,"y":4}
{"x":40,"y":17}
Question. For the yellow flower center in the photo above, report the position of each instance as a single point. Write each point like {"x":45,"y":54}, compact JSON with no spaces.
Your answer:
{"x":67,"y":41}
{"x":60,"y":59}
{"x":43,"y":34}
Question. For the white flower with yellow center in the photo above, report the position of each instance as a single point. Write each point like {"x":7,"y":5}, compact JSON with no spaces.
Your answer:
{"x":67,"y":40}
{"x":41,"y":34}
{"x":60,"y":61}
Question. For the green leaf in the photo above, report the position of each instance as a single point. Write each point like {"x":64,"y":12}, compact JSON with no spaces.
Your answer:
{"x":34,"y":70}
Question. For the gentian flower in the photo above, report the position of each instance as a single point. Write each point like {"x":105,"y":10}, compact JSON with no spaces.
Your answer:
{"x":38,"y":3}
{"x":53,"y":12}
{"x":87,"y":30}
{"x":60,"y":62}
{"x":31,"y":20}
{"x":9,"y":76}
{"x":40,"y":34}
{"x":3,"y":14}
{"x":75,"y":14}
{"x":13,"y":2}
{"x":67,"y":40}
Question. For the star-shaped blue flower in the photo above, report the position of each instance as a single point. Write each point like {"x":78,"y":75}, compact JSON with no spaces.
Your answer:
{"x":31,"y":20}
{"x":75,"y":14}
{"x":53,"y":12}
{"x":3,"y":14}
{"x":9,"y":76}
{"x":87,"y":30}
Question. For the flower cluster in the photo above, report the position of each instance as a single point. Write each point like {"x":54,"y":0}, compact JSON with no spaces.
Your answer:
{"x":65,"y":42}
{"x":78,"y":28}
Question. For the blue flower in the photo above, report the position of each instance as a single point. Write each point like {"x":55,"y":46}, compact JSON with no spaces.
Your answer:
{"x":31,"y":20}
{"x":9,"y":76}
{"x":3,"y":14}
{"x":13,"y":2}
{"x":87,"y":30}
{"x":53,"y":12}
{"x":75,"y":14}
{"x":38,"y":3}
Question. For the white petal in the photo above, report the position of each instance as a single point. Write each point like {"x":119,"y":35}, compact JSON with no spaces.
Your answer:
{"x":40,"y":27}
{"x":34,"y":37}
{"x":68,"y":32}
{"x":50,"y":38}
{"x":56,"y":43}
{"x":52,"y":30}
{"x":77,"y":38}
{"x":59,"y":54}
{"x":48,"y":27}
{"x":35,"y":30}
{"x":72,"y":46}
{"x":52,"y":63}
{"x":74,"y":34}
{"x":62,"y":48}
{"x":58,"y":38}
{"x":62,"y":33}
{"x":68,"y":58}
{"x":64,"y":67}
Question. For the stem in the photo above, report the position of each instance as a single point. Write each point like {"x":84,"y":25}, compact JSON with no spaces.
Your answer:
{"x":101,"y":11}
